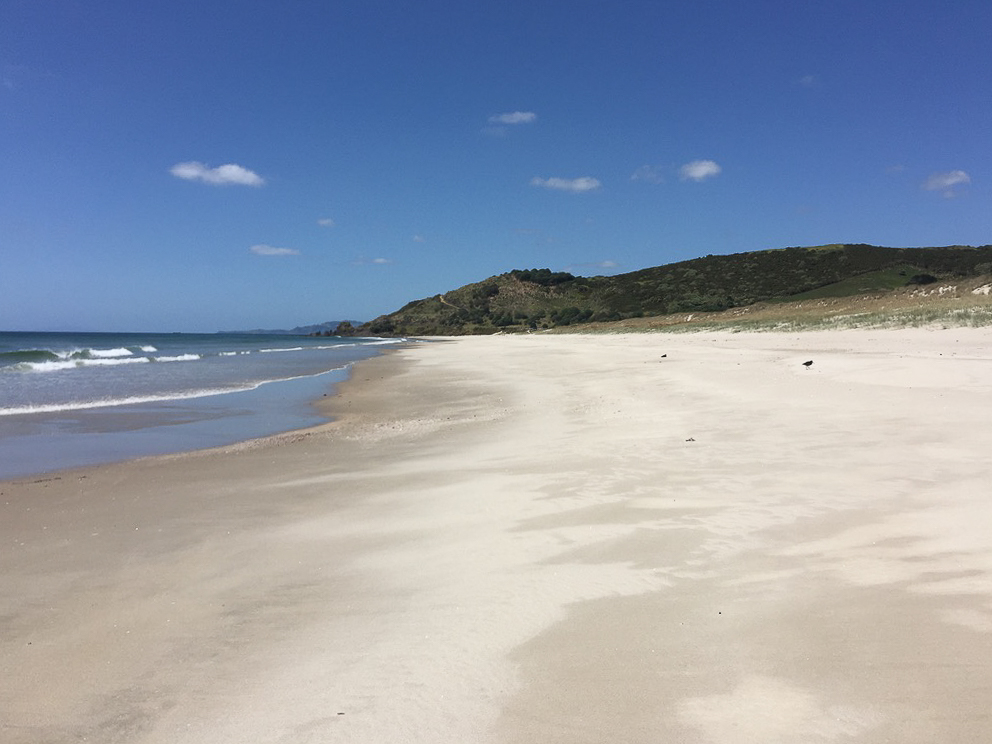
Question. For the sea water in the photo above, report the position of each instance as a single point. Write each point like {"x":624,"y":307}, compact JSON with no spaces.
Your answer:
{"x":70,"y":399}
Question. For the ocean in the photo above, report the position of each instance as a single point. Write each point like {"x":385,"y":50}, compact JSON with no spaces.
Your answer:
{"x":71,"y":399}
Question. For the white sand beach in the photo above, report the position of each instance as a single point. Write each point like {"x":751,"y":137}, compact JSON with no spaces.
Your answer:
{"x":540,"y":538}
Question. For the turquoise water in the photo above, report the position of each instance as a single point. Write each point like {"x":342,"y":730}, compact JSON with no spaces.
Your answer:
{"x":70,"y":399}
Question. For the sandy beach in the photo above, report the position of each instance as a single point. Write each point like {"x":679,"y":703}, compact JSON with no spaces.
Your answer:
{"x":540,"y":538}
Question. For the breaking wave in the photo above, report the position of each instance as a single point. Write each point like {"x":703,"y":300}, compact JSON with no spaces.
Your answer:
{"x":80,"y":405}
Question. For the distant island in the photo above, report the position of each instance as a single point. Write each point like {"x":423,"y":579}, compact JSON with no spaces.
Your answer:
{"x":539,"y":299}
{"x":328,"y":328}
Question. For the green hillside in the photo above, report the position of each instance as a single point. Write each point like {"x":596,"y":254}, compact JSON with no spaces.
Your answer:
{"x":540,"y":298}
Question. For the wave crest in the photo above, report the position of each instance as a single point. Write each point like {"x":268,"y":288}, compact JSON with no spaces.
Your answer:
{"x":63,"y":364}
{"x":105,"y":353}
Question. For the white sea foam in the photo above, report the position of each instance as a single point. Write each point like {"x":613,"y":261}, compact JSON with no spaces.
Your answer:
{"x":138,"y":399}
{"x":374,"y":341}
{"x":107,"y":402}
{"x":148,"y":349}
{"x":75,"y":363}
{"x":110,"y":362}
{"x":179,"y":358}
{"x":110,"y":353}
{"x":367,"y":341}
{"x":45,"y":366}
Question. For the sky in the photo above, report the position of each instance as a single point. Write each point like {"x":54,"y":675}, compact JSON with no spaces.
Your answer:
{"x":233,"y":164}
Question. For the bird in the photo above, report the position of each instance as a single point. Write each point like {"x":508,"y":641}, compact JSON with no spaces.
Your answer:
{"x":808,"y":364}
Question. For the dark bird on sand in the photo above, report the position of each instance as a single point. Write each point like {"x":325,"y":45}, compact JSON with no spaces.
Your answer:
{"x":808,"y":364}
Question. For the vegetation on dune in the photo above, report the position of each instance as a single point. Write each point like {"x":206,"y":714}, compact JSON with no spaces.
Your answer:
{"x":532,"y":299}
{"x":963,"y":302}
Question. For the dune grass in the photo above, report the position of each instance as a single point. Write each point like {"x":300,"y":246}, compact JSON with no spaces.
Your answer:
{"x":945,"y":305}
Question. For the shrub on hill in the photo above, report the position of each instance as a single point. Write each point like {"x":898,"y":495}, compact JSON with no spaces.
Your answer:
{"x":542,"y":277}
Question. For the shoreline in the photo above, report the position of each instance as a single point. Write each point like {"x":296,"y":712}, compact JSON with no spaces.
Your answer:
{"x":534,"y":538}
{"x":103,"y":435}
{"x":328,"y":406}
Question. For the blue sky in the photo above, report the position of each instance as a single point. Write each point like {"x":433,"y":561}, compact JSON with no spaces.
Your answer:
{"x":196,"y":166}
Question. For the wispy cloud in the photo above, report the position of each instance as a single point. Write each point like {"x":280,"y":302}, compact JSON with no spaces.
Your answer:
{"x":14,"y":77}
{"x":363,"y":261}
{"x":807,"y":81}
{"x":538,"y":237}
{"x":326,"y":222}
{"x":268,"y":250}
{"x":699,"y":170}
{"x":648,"y":174}
{"x":419,"y":239}
{"x":946,"y":182}
{"x":514,"y":117}
{"x":574,"y":185}
{"x":606,"y":265}
{"x":222,"y":175}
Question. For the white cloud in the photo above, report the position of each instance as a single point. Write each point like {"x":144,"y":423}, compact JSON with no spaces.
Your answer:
{"x":946,"y":181}
{"x":538,"y":237}
{"x":807,"y":81}
{"x":381,"y":261}
{"x":222,"y":175}
{"x":648,"y":174}
{"x":268,"y":250}
{"x":11,"y":76}
{"x":515,"y":117}
{"x":363,"y":261}
{"x":419,"y":239}
{"x":606,"y":265}
{"x":326,"y":222}
{"x":699,"y":170}
{"x":15,"y":77}
{"x":575,"y":185}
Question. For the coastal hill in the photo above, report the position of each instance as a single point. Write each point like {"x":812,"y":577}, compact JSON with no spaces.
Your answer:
{"x":530,"y":299}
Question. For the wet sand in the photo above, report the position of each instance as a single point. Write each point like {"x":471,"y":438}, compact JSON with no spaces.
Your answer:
{"x":535,"y":538}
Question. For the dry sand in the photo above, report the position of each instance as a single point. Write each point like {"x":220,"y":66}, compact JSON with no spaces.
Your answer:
{"x":535,"y":539}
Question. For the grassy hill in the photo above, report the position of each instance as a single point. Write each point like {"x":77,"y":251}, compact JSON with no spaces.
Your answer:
{"x":540,"y":299}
